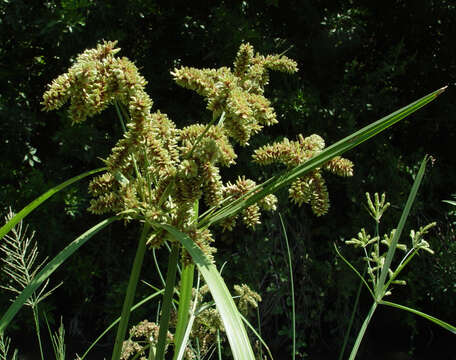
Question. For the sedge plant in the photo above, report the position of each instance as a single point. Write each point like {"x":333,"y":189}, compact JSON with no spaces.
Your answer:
{"x":168,"y":180}
{"x":378,"y":252}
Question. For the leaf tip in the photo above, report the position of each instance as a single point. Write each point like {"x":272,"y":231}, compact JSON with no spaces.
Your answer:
{"x":441,"y":90}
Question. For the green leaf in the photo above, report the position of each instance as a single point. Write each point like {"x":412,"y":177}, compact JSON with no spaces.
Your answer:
{"x":39,"y":200}
{"x":276,"y":182}
{"x":115,"y":322}
{"x":380,"y":289}
{"x":185,"y":297}
{"x":235,"y":330}
{"x":49,"y":269}
{"x":439,"y":322}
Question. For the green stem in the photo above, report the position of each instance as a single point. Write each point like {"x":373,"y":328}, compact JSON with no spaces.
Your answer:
{"x":293,"y":311}
{"x":360,"y":336}
{"x":167,"y":302}
{"x":219,"y":350}
{"x":352,"y":317}
{"x":129,"y":296}
{"x":37,"y":326}
{"x":185,"y":296}
{"x":380,"y":288}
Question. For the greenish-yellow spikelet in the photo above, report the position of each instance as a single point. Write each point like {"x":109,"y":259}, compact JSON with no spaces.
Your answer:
{"x":311,"y":188}
{"x":212,"y":184}
{"x":95,"y":81}
{"x":238,"y":92}
{"x":142,"y":337}
{"x":214,"y":147}
{"x":418,"y":241}
{"x":248,"y":299}
{"x":251,"y":215}
{"x":388,"y":239}
{"x":363,"y":240}
{"x":377,"y":208}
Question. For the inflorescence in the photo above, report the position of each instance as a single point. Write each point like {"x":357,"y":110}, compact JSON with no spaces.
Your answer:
{"x":157,"y":172}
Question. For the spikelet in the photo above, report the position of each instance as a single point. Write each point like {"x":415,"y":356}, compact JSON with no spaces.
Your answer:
{"x":238,"y":93}
{"x":311,"y":188}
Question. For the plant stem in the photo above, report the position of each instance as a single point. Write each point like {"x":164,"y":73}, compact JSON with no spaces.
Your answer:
{"x":131,"y":290}
{"x":360,"y":336}
{"x":185,"y":295}
{"x":293,"y":310}
{"x":352,"y":317}
{"x":167,"y":301}
{"x":37,"y":326}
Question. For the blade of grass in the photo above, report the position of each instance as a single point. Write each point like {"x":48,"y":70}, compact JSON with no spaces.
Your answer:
{"x":235,"y":330}
{"x":380,"y":289}
{"x":167,"y":303}
{"x":115,"y":322}
{"x":439,"y":322}
{"x":362,"y":331}
{"x":252,"y":329}
{"x":49,"y":269}
{"x":352,"y":317}
{"x":355,"y":271}
{"x":42,"y":198}
{"x":293,"y":311}
{"x":276,"y":182}
{"x":180,"y":350}
{"x":130,"y":294}
{"x":185,"y":296}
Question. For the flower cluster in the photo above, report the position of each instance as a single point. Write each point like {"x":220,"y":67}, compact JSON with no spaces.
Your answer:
{"x":95,"y":81}
{"x":238,"y":93}
{"x":157,"y":172}
{"x":248,"y":299}
{"x":251,"y":215}
{"x":311,"y":188}
{"x":143,"y":336}
{"x":208,"y":320}
{"x":375,"y":254}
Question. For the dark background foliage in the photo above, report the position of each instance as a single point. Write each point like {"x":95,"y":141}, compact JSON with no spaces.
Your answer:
{"x":358,"y":60}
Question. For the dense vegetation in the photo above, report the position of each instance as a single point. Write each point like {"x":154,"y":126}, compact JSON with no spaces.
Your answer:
{"x":358,"y":61}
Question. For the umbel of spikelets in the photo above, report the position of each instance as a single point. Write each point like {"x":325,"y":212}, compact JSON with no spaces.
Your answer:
{"x":310,"y":188}
{"x":238,"y":92}
{"x":156,"y":172}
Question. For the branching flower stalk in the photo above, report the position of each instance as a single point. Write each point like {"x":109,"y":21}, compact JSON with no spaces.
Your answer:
{"x":157,"y":172}
{"x":5,"y":348}
{"x":375,"y":210}
{"x":20,"y":264}
{"x":375,"y":258}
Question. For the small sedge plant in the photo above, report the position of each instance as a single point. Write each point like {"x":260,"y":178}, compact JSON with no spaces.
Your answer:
{"x":378,"y":253}
{"x":168,"y":180}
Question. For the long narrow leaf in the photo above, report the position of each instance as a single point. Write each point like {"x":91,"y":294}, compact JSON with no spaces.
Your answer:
{"x":362,"y":331}
{"x":361,"y":277}
{"x":257,"y":335}
{"x":167,"y":302}
{"x":293,"y":309}
{"x":439,"y":322}
{"x":49,"y":269}
{"x":185,"y":297}
{"x":115,"y":322}
{"x":235,"y":330}
{"x":349,"y":142}
{"x":130,"y":293}
{"x":42,"y":198}
{"x":380,"y":288}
